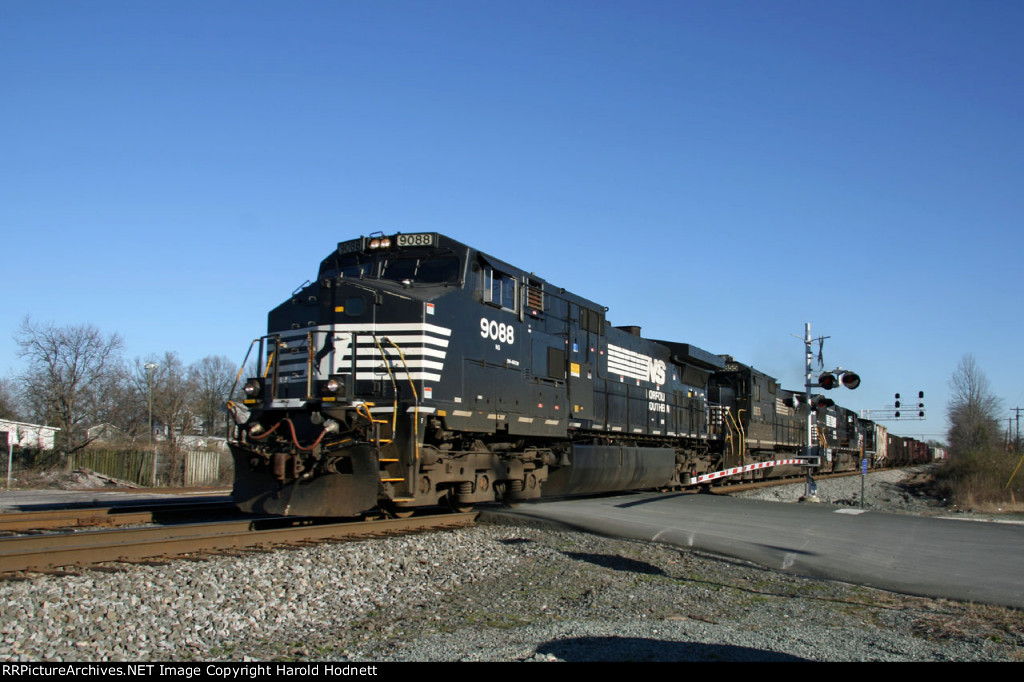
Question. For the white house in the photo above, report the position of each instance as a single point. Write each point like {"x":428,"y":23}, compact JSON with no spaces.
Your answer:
{"x":24,"y":435}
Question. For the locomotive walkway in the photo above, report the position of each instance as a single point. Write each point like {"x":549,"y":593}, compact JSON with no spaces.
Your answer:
{"x":924,"y":556}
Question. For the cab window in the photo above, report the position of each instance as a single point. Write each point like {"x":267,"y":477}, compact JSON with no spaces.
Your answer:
{"x":499,"y":289}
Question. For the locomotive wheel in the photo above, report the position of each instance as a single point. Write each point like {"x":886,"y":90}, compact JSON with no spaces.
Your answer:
{"x":459,"y":507}
{"x":453,"y":498}
{"x":399,"y":512}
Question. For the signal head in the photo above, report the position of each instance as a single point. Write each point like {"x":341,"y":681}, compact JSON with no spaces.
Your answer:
{"x":850,"y":379}
{"x":820,"y":401}
{"x":827,"y":381}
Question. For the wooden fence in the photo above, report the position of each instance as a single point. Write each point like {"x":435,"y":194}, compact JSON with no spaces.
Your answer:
{"x":201,"y":468}
{"x":126,"y":465}
{"x":193,"y":468}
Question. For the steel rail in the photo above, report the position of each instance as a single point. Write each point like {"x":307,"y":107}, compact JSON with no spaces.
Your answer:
{"x":44,"y":552}
{"x":90,"y":517}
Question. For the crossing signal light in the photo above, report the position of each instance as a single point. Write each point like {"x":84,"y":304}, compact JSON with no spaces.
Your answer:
{"x":820,"y":401}
{"x":828,"y":380}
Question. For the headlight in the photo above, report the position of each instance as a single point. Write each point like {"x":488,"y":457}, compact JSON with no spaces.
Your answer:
{"x":332,"y":386}
{"x":252,"y":388}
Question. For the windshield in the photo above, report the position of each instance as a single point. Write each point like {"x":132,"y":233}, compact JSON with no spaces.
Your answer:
{"x":398,"y":268}
{"x":428,"y":270}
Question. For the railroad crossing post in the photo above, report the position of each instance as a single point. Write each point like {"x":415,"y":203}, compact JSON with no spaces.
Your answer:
{"x":810,"y":489}
{"x":828,"y":380}
{"x":863,"y":474}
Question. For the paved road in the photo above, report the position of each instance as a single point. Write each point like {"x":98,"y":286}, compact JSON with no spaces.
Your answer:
{"x":962,"y":560}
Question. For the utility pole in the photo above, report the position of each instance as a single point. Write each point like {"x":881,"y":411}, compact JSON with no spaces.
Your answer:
{"x":150,"y":367}
{"x":1016,"y":439}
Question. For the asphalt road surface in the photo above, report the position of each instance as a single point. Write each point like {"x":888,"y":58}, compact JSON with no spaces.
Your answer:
{"x":924,"y":556}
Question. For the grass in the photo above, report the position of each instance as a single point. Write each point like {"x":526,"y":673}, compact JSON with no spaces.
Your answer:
{"x":995,"y":623}
{"x":981,"y":480}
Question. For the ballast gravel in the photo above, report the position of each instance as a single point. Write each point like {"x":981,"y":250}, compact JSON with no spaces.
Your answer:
{"x":495,"y":592}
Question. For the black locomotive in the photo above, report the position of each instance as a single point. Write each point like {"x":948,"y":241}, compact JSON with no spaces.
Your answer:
{"x":417,"y":371}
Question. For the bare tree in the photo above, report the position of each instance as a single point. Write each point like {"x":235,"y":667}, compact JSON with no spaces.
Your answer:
{"x":212,"y":379}
{"x":124,"y":406}
{"x":9,"y":408}
{"x":172,"y":392}
{"x":68,"y":369}
{"x":973,"y":409}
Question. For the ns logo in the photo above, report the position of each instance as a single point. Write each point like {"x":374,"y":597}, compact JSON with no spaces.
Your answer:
{"x":656,"y":371}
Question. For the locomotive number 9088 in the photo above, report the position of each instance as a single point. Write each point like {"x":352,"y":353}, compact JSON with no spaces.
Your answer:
{"x":497,"y":331}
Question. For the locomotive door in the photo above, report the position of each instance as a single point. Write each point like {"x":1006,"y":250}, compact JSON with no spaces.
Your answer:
{"x":583,"y":344}
{"x":581,"y":390}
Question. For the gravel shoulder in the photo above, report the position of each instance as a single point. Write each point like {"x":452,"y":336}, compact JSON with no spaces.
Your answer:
{"x":491,"y":593}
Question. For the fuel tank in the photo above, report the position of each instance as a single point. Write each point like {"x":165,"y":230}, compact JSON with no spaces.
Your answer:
{"x":606,"y":468}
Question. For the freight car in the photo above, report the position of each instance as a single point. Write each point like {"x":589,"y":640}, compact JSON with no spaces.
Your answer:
{"x":416,"y":371}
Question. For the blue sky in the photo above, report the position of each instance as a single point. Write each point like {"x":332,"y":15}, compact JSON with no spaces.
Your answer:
{"x":717,"y":171}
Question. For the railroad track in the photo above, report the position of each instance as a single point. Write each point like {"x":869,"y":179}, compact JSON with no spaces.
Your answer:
{"x":88,"y":548}
{"x":120,"y":515}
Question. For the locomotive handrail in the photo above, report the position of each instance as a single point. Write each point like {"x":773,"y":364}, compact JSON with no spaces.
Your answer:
{"x":241,"y":368}
{"x":276,"y":356}
{"x":742,"y":430}
{"x":724,"y":412}
{"x":394,"y":384}
{"x":310,"y":352}
{"x":364,"y":411}
{"x":416,"y":403}
{"x":739,"y":431}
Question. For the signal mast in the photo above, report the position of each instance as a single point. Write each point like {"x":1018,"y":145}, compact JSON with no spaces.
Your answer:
{"x":827,"y":380}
